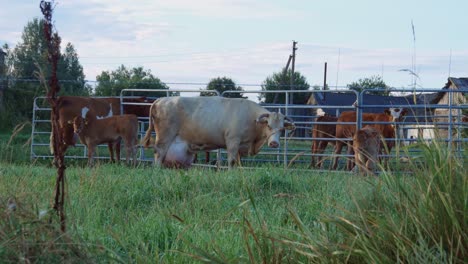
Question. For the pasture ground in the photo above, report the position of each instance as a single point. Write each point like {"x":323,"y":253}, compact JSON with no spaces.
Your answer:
{"x":268,"y":215}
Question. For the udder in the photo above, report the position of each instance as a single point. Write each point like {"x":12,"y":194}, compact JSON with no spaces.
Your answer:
{"x":178,"y":155}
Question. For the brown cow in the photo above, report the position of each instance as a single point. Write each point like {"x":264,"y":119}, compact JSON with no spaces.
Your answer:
{"x":206,"y":123}
{"x":93,"y":131}
{"x":138,"y":106}
{"x":366,"y":146}
{"x":348,"y":130}
{"x":327,"y":133}
{"x":70,"y":106}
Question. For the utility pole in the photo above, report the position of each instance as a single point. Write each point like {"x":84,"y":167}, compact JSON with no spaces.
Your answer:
{"x":292,"y":71}
{"x":2,"y":76}
{"x":325,"y":77}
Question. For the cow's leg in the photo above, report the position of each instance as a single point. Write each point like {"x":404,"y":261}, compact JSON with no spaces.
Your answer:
{"x":232,"y":150}
{"x":133,"y":149}
{"x":128,"y":153}
{"x":164,"y":138}
{"x":338,"y":148}
{"x":68,"y":138}
{"x":130,"y":148}
{"x":117,"y":149}
{"x":387,"y":149}
{"x":350,"y":161}
{"x":370,"y":165}
{"x":134,"y":152}
{"x":321,"y":149}
{"x":110,"y":145}
{"x":313,"y":149}
{"x":358,"y":157}
{"x":160,"y":149}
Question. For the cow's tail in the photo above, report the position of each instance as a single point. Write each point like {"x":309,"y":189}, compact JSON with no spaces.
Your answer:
{"x":146,"y":142}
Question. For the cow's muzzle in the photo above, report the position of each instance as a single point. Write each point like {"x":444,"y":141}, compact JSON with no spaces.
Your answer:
{"x":273,"y":144}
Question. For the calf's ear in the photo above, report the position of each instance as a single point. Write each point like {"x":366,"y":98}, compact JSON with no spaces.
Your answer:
{"x":86,"y":121}
{"x":70,"y":122}
{"x":404,"y":112}
{"x":387,"y":111}
{"x":288,"y":123}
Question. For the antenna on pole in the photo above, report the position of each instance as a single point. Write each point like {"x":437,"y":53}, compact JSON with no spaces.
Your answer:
{"x":338,"y":69}
{"x":413,"y":68}
{"x":450,"y":63}
{"x":325,"y":77}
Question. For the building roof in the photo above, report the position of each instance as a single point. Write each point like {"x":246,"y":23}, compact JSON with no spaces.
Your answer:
{"x":452,"y":83}
{"x":348,"y":99}
{"x":459,"y":83}
{"x":377,"y":102}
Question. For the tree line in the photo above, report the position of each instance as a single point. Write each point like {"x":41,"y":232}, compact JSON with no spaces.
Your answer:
{"x":22,"y":67}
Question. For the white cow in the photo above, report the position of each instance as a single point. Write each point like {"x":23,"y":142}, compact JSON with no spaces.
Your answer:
{"x":185,"y":125}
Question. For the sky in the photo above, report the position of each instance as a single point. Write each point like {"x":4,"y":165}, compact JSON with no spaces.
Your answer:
{"x":191,"y":42}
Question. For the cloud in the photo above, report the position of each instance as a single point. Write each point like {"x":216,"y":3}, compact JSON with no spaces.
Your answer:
{"x":166,"y":37}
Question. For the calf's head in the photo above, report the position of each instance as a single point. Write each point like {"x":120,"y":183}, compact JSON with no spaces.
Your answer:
{"x":465,"y":118}
{"x":272,"y":125}
{"x":78,"y":124}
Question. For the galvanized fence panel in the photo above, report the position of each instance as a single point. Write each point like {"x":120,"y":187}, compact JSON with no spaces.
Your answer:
{"x":295,"y":150}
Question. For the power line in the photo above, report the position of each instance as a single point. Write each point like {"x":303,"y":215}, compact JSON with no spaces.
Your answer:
{"x":146,"y":82}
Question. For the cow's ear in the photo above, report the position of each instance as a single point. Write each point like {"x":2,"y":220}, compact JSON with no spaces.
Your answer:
{"x":86,"y":121}
{"x":404,"y":111}
{"x":387,"y":111}
{"x":70,"y":122}
{"x":263,"y":118}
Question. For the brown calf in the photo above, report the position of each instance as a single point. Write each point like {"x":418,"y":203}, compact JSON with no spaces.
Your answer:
{"x":71,"y":106}
{"x":93,"y":131}
{"x":327,"y":133}
{"x":344,"y":131}
{"x":366,"y":146}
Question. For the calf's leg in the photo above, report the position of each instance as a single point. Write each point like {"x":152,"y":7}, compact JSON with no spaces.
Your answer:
{"x":91,"y":149}
{"x":338,"y":148}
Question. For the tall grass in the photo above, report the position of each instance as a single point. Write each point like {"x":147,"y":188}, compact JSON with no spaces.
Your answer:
{"x":416,"y":218}
{"x":269,"y":215}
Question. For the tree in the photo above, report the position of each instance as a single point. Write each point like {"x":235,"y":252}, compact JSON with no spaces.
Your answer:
{"x":282,"y":81}
{"x":71,"y":73}
{"x":320,"y":87}
{"x":112,"y":83}
{"x":372,"y":83}
{"x":24,"y":64}
{"x":222,"y":84}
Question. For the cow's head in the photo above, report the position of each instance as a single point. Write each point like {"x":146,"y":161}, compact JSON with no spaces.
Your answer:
{"x":397,"y":113}
{"x":273,"y":124}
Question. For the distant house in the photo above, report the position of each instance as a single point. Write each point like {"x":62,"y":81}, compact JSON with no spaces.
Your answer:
{"x":442,"y":115}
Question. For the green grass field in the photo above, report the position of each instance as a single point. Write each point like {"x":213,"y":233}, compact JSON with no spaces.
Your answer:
{"x":118,"y":214}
